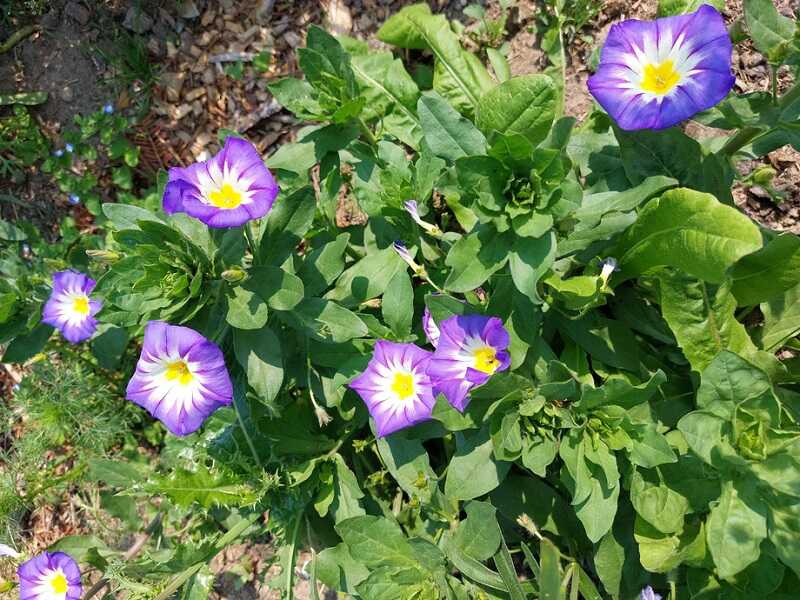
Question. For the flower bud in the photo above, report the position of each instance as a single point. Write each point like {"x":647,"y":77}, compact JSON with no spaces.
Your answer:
{"x":412,"y":210}
{"x":234,"y":275}
{"x":609,"y":266}
{"x":764,"y":175}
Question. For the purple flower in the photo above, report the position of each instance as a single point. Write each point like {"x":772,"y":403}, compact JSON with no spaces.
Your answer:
{"x":655,"y":74}
{"x":108,"y":109}
{"x":471,"y":349}
{"x":430,"y":328}
{"x":69,"y":148}
{"x":69,"y":308}
{"x":395,"y":386}
{"x":50,"y":576}
{"x":232,"y":187}
{"x":58,"y":153}
{"x":74,"y":199}
{"x":411,"y":208}
{"x":180,"y":378}
{"x":649,"y":594}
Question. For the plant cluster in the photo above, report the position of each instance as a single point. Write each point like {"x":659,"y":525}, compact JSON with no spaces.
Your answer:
{"x":566,"y":368}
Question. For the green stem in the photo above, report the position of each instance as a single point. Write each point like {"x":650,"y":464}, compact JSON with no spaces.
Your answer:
{"x":290,"y":567}
{"x":773,"y":81}
{"x":232,"y":534}
{"x":248,"y":233}
{"x":367,"y":133}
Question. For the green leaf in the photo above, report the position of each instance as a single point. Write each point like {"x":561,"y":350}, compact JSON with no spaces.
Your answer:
{"x":702,"y":317}
{"x":323,"y":265}
{"x":330,"y":321}
{"x":337,"y":569}
{"x":505,"y":566}
{"x":462,"y":69}
{"x":668,"y":8}
{"x":595,"y":206}
{"x":27,"y":345}
{"x":246,"y":309}
{"x":297,"y":96}
{"x":474,"y":257}
{"x":771,"y":31}
{"x":708,"y":435}
{"x":482,"y":179}
{"x":784,"y":529}
{"x":408,"y":462}
{"x":202,"y":487}
{"x":523,"y":105}
{"x":109,"y":346}
{"x":473,"y":471}
{"x":400,"y":31}
{"x":287,"y":223}
{"x":781,"y":319}
{"x":127,"y":216}
{"x":376,"y":542}
{"x":397,"y":306}
{"x":368,"y":278}
{"x":523,"y":495}
{"x":11,"y":233}
{"x":736,"y":527}
{"x":447,"y":133}
{"x":26,"y":98}
{"x":659,"y":505}
{"x":728,"y":381}
{"x":281,"y":290}
{"x":768,"y":272}
{"x":478,"y":536}
{"x":346,"y":502}
{"x":550,"y":577}
{"x":529,"y":259}
{"x":259,"y":353}
{"x":500,"y":66}
{"x":691,"y":231}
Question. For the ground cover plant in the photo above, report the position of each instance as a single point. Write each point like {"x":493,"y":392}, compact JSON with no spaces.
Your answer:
{"x":553,"y":361}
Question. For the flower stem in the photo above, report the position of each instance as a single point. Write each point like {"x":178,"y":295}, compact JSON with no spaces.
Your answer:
{"x":290,"y":566}
{"x":248,"y":233}
{"x":367,"y":133}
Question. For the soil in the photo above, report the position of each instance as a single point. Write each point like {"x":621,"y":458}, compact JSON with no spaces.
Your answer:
{"x":216,"y":59}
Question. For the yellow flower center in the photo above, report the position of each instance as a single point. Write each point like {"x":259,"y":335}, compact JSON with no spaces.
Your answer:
{"x":225,"y":197}
{"x":179,"y":370}
{"x":81,"y":305}
{"x":660,"y":79}
{"x":59,"y":584}
{"x":403,"y":385}
{"x":485,"y":360}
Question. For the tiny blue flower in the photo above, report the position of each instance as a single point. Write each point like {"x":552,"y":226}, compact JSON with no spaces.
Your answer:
{"x":74,"y":199}
{"x":69,"y":148}
{"x":108,"y":108}
{"x":14,"y":388}
{"x":58,"y":153}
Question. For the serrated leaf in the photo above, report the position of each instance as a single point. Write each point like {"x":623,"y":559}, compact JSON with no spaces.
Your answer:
{"x":204,"y":487}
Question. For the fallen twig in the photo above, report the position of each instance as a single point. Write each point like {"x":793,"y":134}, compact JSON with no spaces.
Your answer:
{"x":17,"y":37}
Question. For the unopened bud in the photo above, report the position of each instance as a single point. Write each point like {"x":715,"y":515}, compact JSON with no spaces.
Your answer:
{"x":401,"y":250}
{"x":104,"y":256}
{"x":764,"y":175}
{"x":413,"y":211}
{"x":234,"y":275}
{"x":609,"y":266}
